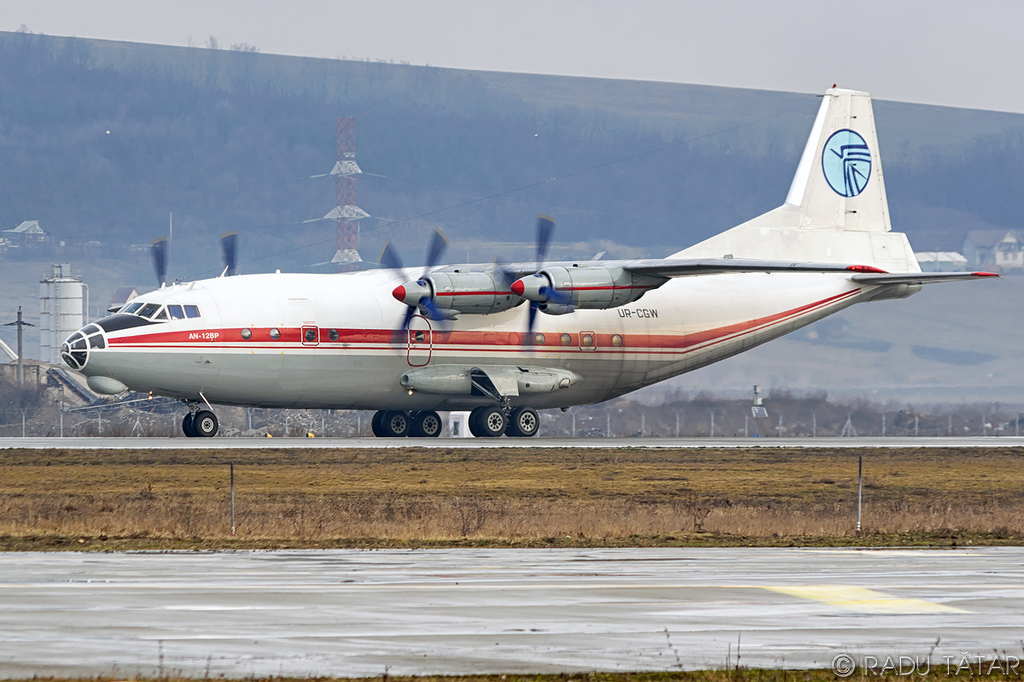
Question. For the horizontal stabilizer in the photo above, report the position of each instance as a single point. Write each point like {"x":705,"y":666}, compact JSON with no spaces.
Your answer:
{"x":919,"y":277}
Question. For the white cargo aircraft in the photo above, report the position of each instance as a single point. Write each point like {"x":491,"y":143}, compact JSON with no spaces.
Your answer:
{"x":503,"y":341}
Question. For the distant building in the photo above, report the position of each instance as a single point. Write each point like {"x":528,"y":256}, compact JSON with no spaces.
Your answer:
{"x":120,"y":297}
{"x":995,"y":249}
{"x":28,"y":231}
{"x":941,"y":261}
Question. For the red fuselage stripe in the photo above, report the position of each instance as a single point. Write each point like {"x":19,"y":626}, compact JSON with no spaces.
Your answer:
{"x":469,"y":341}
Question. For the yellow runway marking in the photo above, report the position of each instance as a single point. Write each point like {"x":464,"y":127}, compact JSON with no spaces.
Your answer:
{"x":863,"y":600}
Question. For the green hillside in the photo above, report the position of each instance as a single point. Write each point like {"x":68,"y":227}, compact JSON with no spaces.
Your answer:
{"x":229,"y":140}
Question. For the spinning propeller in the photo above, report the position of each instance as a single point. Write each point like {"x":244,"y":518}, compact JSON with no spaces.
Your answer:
{"x":228,"y":251}
{"x":416,"y":294}
{"x":158,"y":250}
{"x":538,"y":287}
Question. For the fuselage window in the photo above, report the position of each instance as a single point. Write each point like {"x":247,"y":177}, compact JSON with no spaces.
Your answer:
{"x":162,"y":315}
{"x":131,"y":308}
{"x":310,"y":336}
{"x":176,"y":312}
{"x":246,"y":334}
{"x":333,"y":335}
{"x":275,"y":334}
{"x":148,"y":310}
{"x":191,"y":311}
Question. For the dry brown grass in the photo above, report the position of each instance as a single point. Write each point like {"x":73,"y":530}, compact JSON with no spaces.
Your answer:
{"x":410,"y":497}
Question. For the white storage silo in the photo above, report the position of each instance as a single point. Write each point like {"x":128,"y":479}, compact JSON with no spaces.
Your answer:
{"x":63,"y":302}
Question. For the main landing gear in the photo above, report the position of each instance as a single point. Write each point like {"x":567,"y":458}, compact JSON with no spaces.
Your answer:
{"x":199,"y":423}
{"x":484,"y":422}
{"x":398,"y":424}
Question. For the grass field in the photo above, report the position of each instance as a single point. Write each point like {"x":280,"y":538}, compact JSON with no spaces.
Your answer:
{"x":89,"y":499}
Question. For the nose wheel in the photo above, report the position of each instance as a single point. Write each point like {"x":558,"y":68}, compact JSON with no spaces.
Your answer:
{"x":202,"y":424}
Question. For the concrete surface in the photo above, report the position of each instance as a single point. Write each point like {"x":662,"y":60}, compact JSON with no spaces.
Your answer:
{"x":463,"y":443}
{"x":351,"y":612}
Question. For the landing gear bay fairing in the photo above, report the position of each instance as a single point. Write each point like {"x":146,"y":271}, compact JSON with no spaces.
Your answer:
{"x":507,"y":340}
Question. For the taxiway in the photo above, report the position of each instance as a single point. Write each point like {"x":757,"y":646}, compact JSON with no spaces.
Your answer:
{"x":350,"y":612}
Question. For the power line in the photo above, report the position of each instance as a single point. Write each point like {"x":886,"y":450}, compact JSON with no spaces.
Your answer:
{"x":532,"y":185}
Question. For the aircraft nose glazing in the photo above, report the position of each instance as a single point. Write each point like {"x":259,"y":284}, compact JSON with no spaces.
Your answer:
{"x":75,"y":350}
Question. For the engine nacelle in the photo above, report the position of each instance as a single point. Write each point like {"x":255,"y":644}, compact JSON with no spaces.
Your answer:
{"x":551,"y":308}
{"x":470,"y":293}
{"x":560,"y":289}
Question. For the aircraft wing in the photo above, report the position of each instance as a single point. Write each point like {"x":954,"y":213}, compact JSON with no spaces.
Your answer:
{"x":682,"y":267}
{"x":918,"y":277}
{"x":865,"y":274}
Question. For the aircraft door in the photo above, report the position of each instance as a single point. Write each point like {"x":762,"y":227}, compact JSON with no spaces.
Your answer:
{"x":420,"y":341}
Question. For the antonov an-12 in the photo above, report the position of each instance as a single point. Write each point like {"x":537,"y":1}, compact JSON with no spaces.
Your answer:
{"x":506,"y":340}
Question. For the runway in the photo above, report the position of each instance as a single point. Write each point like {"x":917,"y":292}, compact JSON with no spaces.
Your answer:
{"x":351,"y":612}
{"x":183,"y":443}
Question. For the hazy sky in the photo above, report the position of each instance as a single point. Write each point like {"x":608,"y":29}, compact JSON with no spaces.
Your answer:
{"x":966,"y":54}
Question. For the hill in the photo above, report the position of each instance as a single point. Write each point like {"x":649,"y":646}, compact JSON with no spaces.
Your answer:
{"x":101,"y":141}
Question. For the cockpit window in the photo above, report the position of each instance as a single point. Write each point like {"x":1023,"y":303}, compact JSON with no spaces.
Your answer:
{"x":162,"y":315}
{"x":176,"y":312}
{"x":131,"y":308}
{"x":149,"y":309}
{"x":192,"y":311}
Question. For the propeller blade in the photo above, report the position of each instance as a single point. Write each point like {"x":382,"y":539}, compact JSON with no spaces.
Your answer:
{"x":409,"y":312}
{"x":159,"y":253}
{"x":432,"y":311}
{"x":545,"y":226}
{"x":556,"y":296}
{"x":438,"y":245}
{"x":531,"y":318}
{"x":229,"y":251}
{"x":389,"y":258}
{"x":503,"y":277}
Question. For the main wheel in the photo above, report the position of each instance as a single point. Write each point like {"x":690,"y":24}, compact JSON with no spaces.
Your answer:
{"x":187,"y":425}
{"x":205,"y":424}
{"x":376,"y":423}
{"x":395,"y":424}
{"x":426,"y":425}
{"x":489,"y":422}
{"x":524,"y":423}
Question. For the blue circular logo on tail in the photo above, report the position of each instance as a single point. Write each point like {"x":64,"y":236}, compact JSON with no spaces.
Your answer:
{"x":846,"y":162}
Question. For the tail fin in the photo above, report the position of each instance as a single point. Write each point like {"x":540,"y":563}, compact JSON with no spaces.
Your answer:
{"x":838,"y":183}
{"x":836,"y":209}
